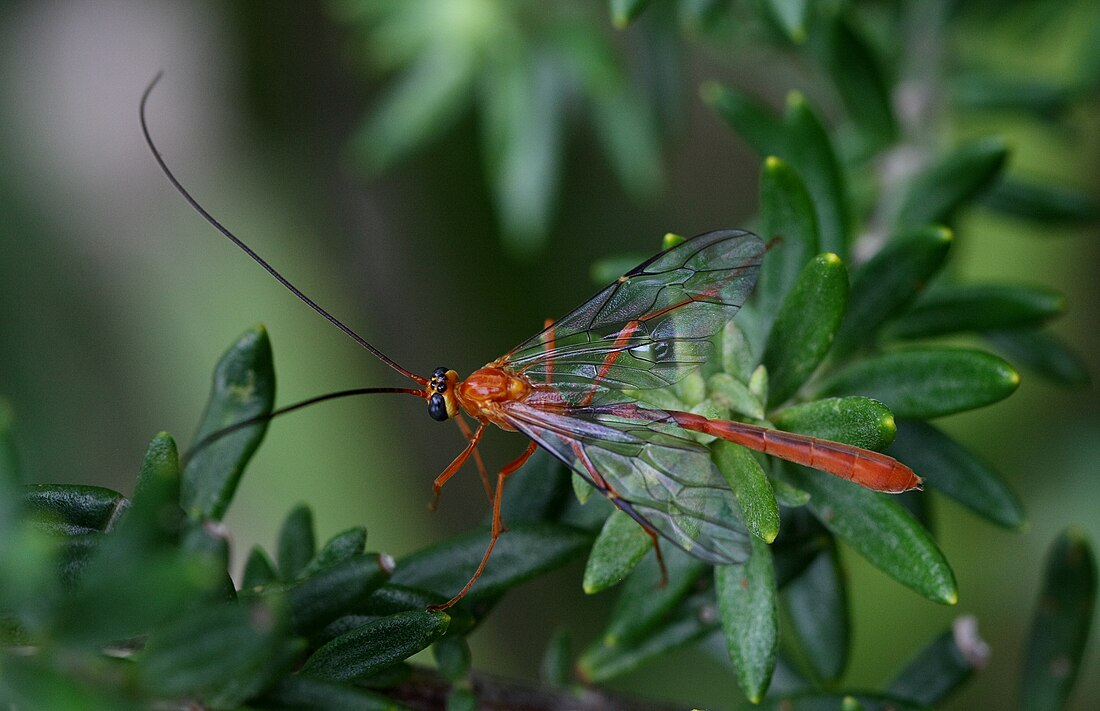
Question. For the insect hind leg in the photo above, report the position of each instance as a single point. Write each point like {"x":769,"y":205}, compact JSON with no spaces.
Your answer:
{"x":497,"y":528}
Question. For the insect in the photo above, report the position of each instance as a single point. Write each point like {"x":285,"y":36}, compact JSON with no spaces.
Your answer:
{"x":570,"y":389}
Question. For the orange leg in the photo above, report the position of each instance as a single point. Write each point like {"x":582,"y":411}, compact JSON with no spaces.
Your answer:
{"x":455,"y":465}
{"x":469,"y":435}
{"x":498,"y":524}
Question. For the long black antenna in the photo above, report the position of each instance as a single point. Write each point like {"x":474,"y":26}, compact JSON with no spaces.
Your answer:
{"x":237,"y":426}
{"x":248,"y":250}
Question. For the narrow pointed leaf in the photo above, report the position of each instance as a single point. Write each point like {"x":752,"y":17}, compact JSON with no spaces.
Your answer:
{"x":748,"y":609}
{"x":620,"y":546}
{"x":258,"y":570}
{"x":939,"y":192}
{"x":947,"y":466}
{"x":685,"y":625}
{"x":523,"y":552}
{"x":376,"y":645}
{"x":754,"y":122}
{"x":210,"y":648}
{"x":425,"y":100}
{"x":942,"y":666}
{"x":730,"y":393}
{"x":523,"y":121}
{"x":10,"y":471}
{"x":1046,"y":205}
{"x":1060,"y":627}
{"x":857,"y":73}
{"x":244,"y":387}
{"x":452,"y":657}
{"x":623,"y":12}
{"x":74,"y":508}
{"x":296,"y":545}
{"x":816,"y":604}
{"x":923,"y":383}
{"x":643,"y":602}
{"x":750,"y":484}
{"x":805,"y":326}
{"x":882,"y":531}
{"x":786,"y":213}
{"x":303,"y":692}
{"x":556,"y":669}
{"x":337,"y":549}
{"x":986,"y":92}
{"x":1042,"y":353}
{"x":978,"y":307}
{"x":333,"y":591}
{"x":859,"y":421}
{"x":810,"y":151}
{"x":790,"y":15}
{"x":889,"y":282}
{"x":831,"y":701}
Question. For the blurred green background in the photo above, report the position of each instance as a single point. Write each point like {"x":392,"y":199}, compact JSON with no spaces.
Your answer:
{"x":116,"y":299}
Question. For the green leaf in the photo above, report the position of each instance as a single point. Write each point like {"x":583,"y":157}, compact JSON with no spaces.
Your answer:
{"x":738,"y":359}
{"x":243,"y":388}
{"x":303,"y":692}
{"x":753,"y":122}
{"x":882,"y":531}
{"x":1046,"y":205}
{"x":978,"y":307}
{"x":623,"y":12}
{"x":340,"y":547}
{"x":790,"y":15}
{"x":258,"y":570}
{"x":10,"y":471}
{"x":811,"y":153}
{"x":1043,"y":353}
{"x":212,"y":649}
{"x":523,"y":552}
{"x":889,"y":282}
{"x":986,"y":92}
{"x":858,"y":76}
{"x":816,"y":605}
{"x":622,"y":543}
{"x":644,"y":602}
{"x":951,"y":468}
{"x":376,"y":645}
{"x":537,"y":492}
{"x":731,"y":394}
{"x":936,"y":194}
{"x":523,"y":121}
{"x":858,"y":421}
{"x":556,"y":669}
{"x":334,"y":591}
{"x":747,"y":607}
{"x":750,"y":485}
{"x":1060,"y":627}
{"x":805,"y":326}
{"x":831,"y":701}
{"x":943,"y":665}
{"x":685,"y":625}
{"x":73,"y":509}
{"x":296,"y":545}
{"x":452,"y":657}
{"x":786,"y":213}
{"x":923,"y":383}
{"x":624,"y":124}
{"x":429,"y":97}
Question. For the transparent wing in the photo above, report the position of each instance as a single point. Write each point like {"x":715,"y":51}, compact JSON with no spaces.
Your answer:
{"x":667,"y":480}
{"x":651,"y":326}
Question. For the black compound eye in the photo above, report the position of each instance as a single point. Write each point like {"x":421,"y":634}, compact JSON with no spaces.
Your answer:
{"x":439,"y":373}
{"x":437,"y":408}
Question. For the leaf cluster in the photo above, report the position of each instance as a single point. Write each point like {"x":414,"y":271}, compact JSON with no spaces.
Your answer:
{"x":858,"y":332}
